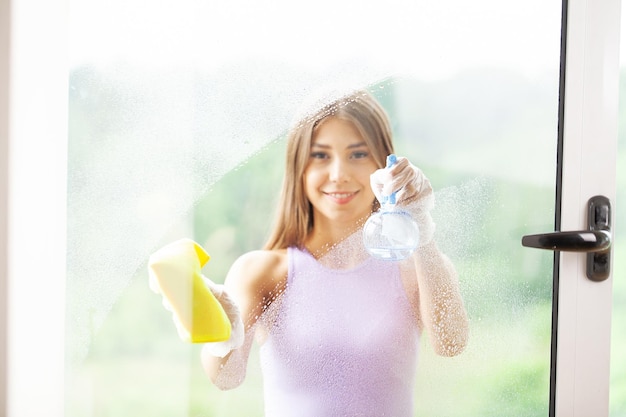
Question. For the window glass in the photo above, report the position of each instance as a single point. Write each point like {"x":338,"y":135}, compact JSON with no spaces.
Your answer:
{"x":179,"y":113}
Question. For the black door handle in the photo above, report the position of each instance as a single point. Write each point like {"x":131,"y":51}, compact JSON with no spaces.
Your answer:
{"x":596,"y":241}
{"x":581,"y":241}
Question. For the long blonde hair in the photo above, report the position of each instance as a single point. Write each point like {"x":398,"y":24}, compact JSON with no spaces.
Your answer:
{"x":294,"y":218}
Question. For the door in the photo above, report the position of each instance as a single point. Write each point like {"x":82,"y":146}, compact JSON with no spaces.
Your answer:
{"x":176,"y":132}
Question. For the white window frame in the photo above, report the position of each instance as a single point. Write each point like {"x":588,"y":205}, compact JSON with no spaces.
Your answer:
{"x":33,"y":157}
{"x":590,"y":123}
{"x":34,"y":62}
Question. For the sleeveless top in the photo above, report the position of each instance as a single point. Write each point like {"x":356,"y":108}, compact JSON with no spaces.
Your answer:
{"x":340,"y":342}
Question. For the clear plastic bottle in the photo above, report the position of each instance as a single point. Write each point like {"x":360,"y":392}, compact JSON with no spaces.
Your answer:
{"x":390,"y":233}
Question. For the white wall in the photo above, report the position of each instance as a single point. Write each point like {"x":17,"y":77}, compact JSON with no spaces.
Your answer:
{"x":33,"y":154}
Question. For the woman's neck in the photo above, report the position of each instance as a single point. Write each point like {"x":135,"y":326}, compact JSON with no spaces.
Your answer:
{"x":337,"y":243}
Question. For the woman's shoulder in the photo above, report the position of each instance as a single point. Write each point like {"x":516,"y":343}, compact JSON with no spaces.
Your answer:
{"x":260,"y":268}
{"x":264,"y":260}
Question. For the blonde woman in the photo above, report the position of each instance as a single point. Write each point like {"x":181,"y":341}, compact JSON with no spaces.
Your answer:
{"x":339,"y":330}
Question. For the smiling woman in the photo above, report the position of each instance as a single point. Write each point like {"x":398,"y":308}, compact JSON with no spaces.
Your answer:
{"x":330,"y":357}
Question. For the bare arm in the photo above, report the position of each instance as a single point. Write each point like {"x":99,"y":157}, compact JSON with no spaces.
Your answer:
{"x":252,"y":282}
{"x":431,"y":279}
{"x":441,"y":309}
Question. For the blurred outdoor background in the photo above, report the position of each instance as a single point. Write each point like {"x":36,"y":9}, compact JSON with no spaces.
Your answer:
{"x":159,"y":152}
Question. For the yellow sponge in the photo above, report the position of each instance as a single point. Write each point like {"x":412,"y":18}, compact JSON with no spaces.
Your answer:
{"x":175,"y":272}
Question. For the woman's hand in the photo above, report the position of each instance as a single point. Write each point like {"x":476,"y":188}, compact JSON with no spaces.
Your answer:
{"x":413,"y":192}
{"x":175,"y":273}
{"x":221,"y":349}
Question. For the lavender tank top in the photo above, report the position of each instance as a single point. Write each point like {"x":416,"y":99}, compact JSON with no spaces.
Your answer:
{"x":342,"y":342}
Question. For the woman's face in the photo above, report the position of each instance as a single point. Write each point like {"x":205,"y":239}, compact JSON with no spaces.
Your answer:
{"x":337,"y":176}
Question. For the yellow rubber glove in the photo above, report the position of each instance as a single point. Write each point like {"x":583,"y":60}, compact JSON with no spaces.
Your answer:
{"x":174,"y":272}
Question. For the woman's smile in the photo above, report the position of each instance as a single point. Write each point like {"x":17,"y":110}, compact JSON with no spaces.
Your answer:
{"x":341,"y":197}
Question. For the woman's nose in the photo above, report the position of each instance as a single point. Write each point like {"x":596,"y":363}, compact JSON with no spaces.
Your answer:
{"x":339,"y":172}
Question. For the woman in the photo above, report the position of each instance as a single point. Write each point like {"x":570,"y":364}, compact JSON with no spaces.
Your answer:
{"x":339,"y":329}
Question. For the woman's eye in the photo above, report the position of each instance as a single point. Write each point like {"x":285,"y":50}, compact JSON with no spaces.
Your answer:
{"x":360,"y":154}
{"x":318,"y":155}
